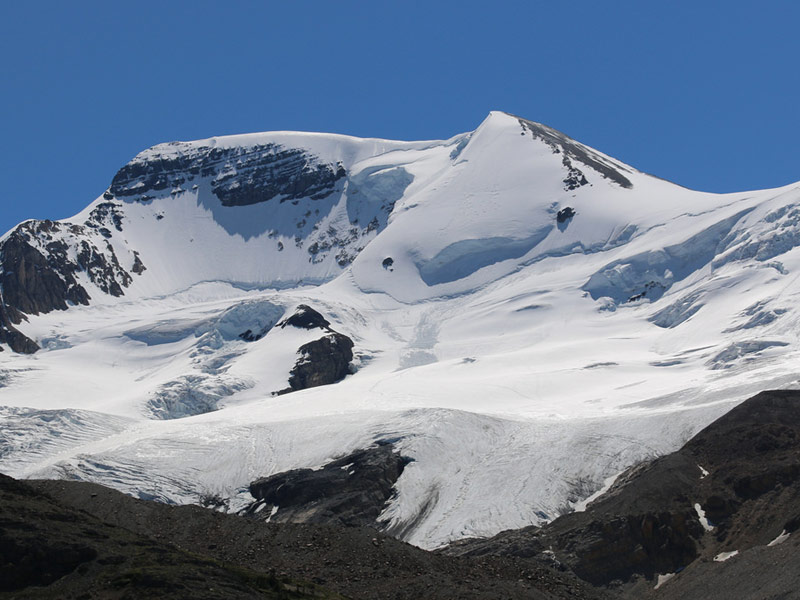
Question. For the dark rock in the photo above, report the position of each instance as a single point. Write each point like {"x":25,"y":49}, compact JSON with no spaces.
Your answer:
{"x":106,"y":213}
{"x":34,"y":283}
{"x":575,"y":177}
{"x":261,"y":173}
{"x":576,"y":151}
{"x":17,"y":341}
{"x":37,"y":562}
{"x":50,"y":549}
{"x":322,"y":362}
{"x":138,"y":266}
{"x":565,"y":214}
{"x":349,"y":491}
{"x":387,"y":263}
{"x":102,"y":271}
{"x":654,"y":288}
{"x":305,"y":317}
{"x":38,"y":273}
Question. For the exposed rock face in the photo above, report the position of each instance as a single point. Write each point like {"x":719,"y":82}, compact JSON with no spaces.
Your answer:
{"x":11,"y":336}
{"x":349,"y":491}
{"x":323,"y":361}
{"x":574,"y":151}
{"x":742,"y":471}
{"x":106,"y":214}
{"x":32,"y":282}
{"x":565,"y":214}
{"x":40,"y":262}
{"x":575,"y":177}
{"x":241,"y":175}
{"x":40,"y":265}
{"x":138,"y":266}
{"x":305,"y":317}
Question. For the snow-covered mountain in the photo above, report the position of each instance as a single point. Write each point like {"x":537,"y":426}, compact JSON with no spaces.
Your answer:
{"x":523,"y":316}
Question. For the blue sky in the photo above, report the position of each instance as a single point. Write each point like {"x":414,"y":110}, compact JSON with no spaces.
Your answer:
{"x":702,"y":93}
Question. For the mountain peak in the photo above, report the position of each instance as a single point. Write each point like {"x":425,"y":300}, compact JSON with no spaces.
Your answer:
{"x":508,"y":294}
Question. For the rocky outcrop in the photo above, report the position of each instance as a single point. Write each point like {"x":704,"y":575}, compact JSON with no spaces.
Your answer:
{"x":575,"y":177}
{"x":565,"y":214}
{"x":349,"y":491}
{"x":34,"y":282}
{"x":240,"y":175}
{"x":576,"y":152}
{"x":41,"y":263}
{"x":305,"y":317}
{"x":323,"y":361}
{"x":17,"y":341}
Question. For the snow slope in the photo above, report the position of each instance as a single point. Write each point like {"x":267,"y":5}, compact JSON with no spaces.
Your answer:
{"x":520,"y":355}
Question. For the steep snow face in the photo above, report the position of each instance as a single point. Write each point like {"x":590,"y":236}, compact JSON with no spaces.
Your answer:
{"x":530,"y":317}
{"x":266,"y":210}
{"x":496,"y":209}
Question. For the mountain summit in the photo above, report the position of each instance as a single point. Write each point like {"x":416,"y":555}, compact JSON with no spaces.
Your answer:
{"x":277,"y":209}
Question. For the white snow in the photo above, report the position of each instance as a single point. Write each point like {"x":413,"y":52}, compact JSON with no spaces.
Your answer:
{"x":272,"y":513}
{"x":723,"y":556}
{"x":703,"y":472}
{"x":784,"y":535}
{"x":662,"y":579}
{"x":501,"y":351}
{"x":701,"y":514}
{"x":581,"y":505}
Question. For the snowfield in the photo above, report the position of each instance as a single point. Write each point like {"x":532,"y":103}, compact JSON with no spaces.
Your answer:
{"x":520,"y":358}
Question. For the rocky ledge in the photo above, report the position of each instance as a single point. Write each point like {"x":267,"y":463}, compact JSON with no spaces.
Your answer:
{"x":350,"y":491}
{"x":41,"y":263}
{"x":322,"y":361}
{"x":239,"y":176}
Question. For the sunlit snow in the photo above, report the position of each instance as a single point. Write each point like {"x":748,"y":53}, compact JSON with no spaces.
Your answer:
{"x":521,"y":362}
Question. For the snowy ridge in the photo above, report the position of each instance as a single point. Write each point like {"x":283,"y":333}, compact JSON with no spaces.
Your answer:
{"x":529,"y":315}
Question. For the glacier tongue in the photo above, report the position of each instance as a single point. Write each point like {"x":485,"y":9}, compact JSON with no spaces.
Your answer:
{"x":529,"y":317}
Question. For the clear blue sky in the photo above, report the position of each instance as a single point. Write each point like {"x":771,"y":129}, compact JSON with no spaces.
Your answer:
{"x":706,"y":94}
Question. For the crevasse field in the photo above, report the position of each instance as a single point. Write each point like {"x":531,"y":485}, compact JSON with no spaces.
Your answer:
{"x":520,"y":359}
